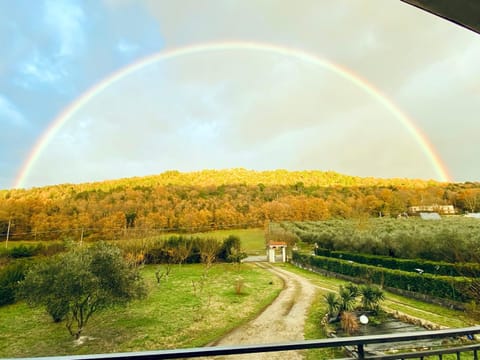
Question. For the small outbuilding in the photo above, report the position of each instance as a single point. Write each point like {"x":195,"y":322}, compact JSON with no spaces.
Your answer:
{"x":473,"y":215}
{"x":430,"y":216}
{"x":271,"y":250}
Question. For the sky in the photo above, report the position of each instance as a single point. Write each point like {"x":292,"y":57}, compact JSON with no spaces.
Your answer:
{"x":96,"y":90}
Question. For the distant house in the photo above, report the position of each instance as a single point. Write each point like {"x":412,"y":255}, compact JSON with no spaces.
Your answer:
{"x":473,"y":215}
{"x":430,"y":216}
{"x":440,"y":209}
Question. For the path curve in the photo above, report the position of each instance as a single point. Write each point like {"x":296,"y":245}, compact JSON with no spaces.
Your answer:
{"x":283,"y":320}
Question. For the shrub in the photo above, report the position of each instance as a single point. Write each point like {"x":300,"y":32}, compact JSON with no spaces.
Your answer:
{"x":333,"y":304}
{"x":231,"y":251}
{"x":22,"y":251}
{"x":349,"y":322}
{"x":9,"y":279}
{"x":371,"y":297}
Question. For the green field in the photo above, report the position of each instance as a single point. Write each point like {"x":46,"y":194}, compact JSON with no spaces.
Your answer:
{"x":252,"y":240}
{"x":172,"y":316}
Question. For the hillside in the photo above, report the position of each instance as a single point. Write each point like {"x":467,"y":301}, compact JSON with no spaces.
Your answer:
{"x":210,"y":199}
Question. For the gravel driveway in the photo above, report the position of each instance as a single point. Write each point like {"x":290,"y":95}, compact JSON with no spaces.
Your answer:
{"x":281,"y":321}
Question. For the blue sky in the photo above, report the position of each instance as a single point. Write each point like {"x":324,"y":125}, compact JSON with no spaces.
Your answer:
{"x":234,"y":108}
{"x":52,"y":52}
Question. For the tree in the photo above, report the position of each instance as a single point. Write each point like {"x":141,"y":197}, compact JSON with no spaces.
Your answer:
{"x":77,"y":284}
{"x":209,"y":249}
{"x":470,"y":199}
{"x":182,"y":250}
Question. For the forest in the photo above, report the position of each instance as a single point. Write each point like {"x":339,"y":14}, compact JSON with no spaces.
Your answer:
{"x":213,"y":199}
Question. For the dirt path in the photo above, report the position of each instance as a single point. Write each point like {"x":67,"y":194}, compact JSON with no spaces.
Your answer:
{"x":282,"y":321}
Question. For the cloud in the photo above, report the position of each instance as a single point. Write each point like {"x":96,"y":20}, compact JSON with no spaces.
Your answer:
{"x":124,"y":46}
{"x":231,"y":109}
{"x":385,"y":42}
{"x":241,"y":108}
{"x":51,"y":47}
{"x":66,"y":20}
{"x":10,"y":113}
{"x":40,"y":69}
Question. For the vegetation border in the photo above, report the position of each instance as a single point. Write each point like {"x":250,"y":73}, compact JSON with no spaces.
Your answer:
{"x":442,"y":290}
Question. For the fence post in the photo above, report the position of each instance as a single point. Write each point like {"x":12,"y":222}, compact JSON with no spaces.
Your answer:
{"x":361,"y":352}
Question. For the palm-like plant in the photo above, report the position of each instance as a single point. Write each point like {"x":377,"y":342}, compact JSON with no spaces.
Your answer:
{"x":333,"y":304}
{"x":371,"y":297}
{"x":347,"y":297}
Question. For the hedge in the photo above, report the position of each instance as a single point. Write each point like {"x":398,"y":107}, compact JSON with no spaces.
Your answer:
{"x":445,"y":287}
{"x":428,"y":266}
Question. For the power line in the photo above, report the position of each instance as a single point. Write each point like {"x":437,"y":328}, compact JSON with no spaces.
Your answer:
{"x":145,"y":230}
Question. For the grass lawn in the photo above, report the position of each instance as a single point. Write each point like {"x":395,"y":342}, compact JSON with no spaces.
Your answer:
{"x":172,"y":316}
{"x":252,"y":240}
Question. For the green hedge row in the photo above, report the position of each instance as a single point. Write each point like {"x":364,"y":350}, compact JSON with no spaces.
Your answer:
{"x":445,"y":287}
{"x":412,"y":265}
{"x":26,"y":251}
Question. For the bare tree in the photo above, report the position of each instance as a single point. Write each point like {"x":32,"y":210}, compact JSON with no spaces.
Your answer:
{"x":209,"y":249}
{"x":183,"y":251}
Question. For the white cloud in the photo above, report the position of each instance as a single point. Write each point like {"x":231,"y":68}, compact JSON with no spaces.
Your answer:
{"x":63,"y":39}
{"x":10,"y":113}
{"x":66,"y":20}
{"x":236,"y":109}
{"x":231,"y":109}
{"x":40,"y":69}
{"x":127,"y":47}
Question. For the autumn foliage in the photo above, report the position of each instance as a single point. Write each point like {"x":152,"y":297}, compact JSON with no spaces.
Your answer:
{"x":211,"y":199}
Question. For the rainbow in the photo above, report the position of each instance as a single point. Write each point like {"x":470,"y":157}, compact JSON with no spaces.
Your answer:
{"x":341,"y":71}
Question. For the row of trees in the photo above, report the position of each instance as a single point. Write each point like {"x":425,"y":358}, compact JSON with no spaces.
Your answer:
{"x":450,"y":239}
{"x":213,"y":199}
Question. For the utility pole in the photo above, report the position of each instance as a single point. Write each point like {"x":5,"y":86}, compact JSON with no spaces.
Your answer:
{"x":81,"y":237}
{"x":8,"y":232}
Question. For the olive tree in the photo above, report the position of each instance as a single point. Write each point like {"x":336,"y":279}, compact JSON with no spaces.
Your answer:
{"x":81,"y":282}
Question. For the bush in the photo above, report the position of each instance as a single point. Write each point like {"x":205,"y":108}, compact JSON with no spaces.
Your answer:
{"x":50,"y":249}
{"x":175,"y":249}
{"x":349,"y":322}
{"x":22,"y":251}
{"x":9,"y":279}
{"x":231,"y":251}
